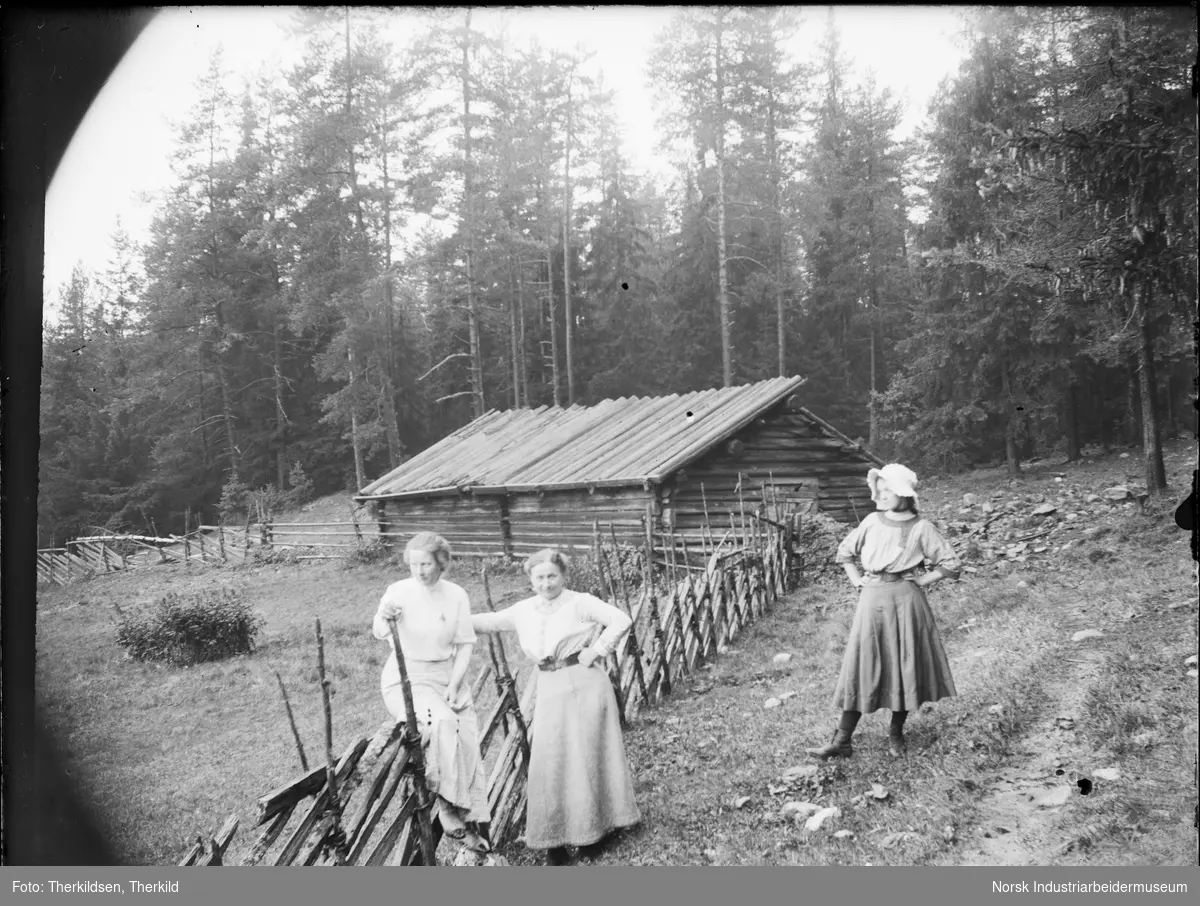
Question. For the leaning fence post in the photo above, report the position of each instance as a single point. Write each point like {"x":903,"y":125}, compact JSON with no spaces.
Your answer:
{"x":336,"y":836}
{"x":221,"y":539}
{"x":664,"y":683}
{"x":416,"y":753}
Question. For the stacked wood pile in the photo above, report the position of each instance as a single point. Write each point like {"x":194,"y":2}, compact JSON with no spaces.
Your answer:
{"x":364,"y":808}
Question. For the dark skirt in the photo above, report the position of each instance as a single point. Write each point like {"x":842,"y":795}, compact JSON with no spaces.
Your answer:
{"x":580,"y":786}
{"x":894,"y":657}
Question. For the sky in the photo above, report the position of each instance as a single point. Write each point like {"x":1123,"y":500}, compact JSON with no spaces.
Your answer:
{"x":118,"y":162}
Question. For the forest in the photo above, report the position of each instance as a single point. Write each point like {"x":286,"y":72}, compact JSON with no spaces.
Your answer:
{"x":364,"y":252}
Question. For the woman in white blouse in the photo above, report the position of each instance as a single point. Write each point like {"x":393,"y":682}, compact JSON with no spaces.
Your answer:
{"x":433,"y":621}
{"x":579,"y":788}
{"x":894,"y":657}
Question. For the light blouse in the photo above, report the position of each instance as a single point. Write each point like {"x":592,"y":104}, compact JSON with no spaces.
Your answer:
{"x":580,"y":620}
{"x":433,"y":622}
{"x":887,"y":545}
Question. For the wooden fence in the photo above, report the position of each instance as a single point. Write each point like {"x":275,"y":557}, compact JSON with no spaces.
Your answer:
{"x":688,"y":601}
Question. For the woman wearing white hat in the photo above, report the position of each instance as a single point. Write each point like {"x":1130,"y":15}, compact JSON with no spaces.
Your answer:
{"x":894,"y":657}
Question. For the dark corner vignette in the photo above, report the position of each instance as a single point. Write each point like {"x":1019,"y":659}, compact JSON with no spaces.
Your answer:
{"x":54,"y":64}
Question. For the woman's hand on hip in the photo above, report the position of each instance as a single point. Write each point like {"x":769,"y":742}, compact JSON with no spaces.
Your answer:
{"x":588,"y":656}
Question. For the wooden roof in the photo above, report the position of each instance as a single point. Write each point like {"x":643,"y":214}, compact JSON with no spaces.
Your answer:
{"x":615,"y":443}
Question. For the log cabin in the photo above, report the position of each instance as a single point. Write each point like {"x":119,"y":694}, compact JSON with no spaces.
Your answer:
{"x":511,"y":482}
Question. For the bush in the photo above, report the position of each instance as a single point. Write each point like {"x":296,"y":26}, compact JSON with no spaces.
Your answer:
{"x":191,"y":629}
{"x":233,"y":500}
{"x":301,"y":488}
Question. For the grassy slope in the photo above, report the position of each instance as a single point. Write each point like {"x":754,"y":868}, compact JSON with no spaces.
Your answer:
{"x":168,"y":752}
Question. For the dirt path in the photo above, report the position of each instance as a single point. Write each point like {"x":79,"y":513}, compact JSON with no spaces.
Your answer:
{"x":1024,"y":813}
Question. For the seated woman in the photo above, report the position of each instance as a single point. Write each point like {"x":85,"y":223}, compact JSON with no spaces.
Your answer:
{"x":433,"y":621}
{"x":579,"y":787}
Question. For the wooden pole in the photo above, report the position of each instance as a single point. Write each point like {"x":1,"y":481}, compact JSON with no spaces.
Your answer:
{"x":416,"y":753}
{"x":509,"y":682}
{"x":634,"y":648}
{"x":659,"y":646}
{"x":187,"y":546}
{"x":221,"y":540}
{"x":336,"y":835}
{"x":292,"y":722}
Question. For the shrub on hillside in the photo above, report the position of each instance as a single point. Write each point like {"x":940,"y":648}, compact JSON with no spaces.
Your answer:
{"x":191,"y":629}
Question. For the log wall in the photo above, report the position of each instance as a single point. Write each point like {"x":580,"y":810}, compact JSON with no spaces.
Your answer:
{"x":782,"y":449}
{"x":472,"y":525}
{"x":568,"y":518}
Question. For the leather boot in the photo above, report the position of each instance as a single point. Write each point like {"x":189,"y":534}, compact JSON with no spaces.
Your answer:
{"x":839,"y":747}
{"x":897,"y":747}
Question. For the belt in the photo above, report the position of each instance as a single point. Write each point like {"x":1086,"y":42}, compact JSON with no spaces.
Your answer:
{"x":550,"y":665}
{"x":888,"y":577}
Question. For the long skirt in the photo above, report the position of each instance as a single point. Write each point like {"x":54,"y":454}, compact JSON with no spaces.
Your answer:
{"x":580,"y":787}
{"x":894,"y":657}
{"x":453,"y":766}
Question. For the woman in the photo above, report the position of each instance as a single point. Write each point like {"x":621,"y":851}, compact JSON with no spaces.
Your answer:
{"x":433,"y":621}
{"x":894,"y":657}
{"x":579,"y":788}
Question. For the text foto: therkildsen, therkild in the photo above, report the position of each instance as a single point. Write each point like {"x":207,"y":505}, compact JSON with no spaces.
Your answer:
{"x":94,"y":887}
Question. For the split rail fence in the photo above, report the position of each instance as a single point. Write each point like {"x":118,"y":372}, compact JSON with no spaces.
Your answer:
{"x":686,"y":600}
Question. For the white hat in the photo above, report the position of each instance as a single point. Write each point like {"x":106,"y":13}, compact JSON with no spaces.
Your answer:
{"x":898,"y":479}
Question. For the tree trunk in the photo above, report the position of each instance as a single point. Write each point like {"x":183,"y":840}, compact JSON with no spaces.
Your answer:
{"x":524,"y":360}
{"x":477,"y":400}
{"x":513,"y":346}
{"x":568,"y":322}
{"x":1071,"y":420}
{"x":553,"y":325}
{"x":722,"y":268}
{"x":1011,"y":456}
{"x":777,"y":223}
{"x":360,"y":472}
{"x":1133,"y":402}
{"x":1156,"y":476}
{"x":280,"y":413}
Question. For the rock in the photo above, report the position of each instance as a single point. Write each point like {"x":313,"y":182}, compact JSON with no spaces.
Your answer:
{"x":1087,"y":634}
{"x":878,"y":791}
{"x":1064,"y":722}
{"x":799,"y":772}
{"x":987,"y":507}
{"x":1045,"y":509}
{"x":1123,"y":456}
{"x":772,"y":703}
{"x":1193,"y":674}
{"x":1071,"y":517}
{"x":843,"y":835}
{"x":1120,"y":492}
{"x":1190,"y":662}
{"x":741,"y":801}
{"x":996,"y":709}
{"x":1022,"y":584}
{"x":781,"y":658}
{"x":1055,"y":798}
{"x":1091,"y":498}
{"x":722,"y":649}
{"x":1145,"y":740}
{"x":815,"y":821}
{"x":970,"y":500}
{"x":948,"y":833}
{"x":798,"y":811}
{"x":784,"y":696}
{"x":1107,"y":773}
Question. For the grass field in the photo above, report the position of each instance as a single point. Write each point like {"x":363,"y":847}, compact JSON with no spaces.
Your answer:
{"x":169,"y":752}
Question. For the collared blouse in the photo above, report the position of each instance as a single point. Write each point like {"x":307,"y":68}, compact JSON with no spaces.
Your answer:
{"x":887,"y":545}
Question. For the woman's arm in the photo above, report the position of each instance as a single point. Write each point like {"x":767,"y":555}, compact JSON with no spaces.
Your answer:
{"x":941,"y":556}
{"x":389,"y":607}
{"x":615,"y":622}
{"x":500,"y":621}
{"x":455,"y":694}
